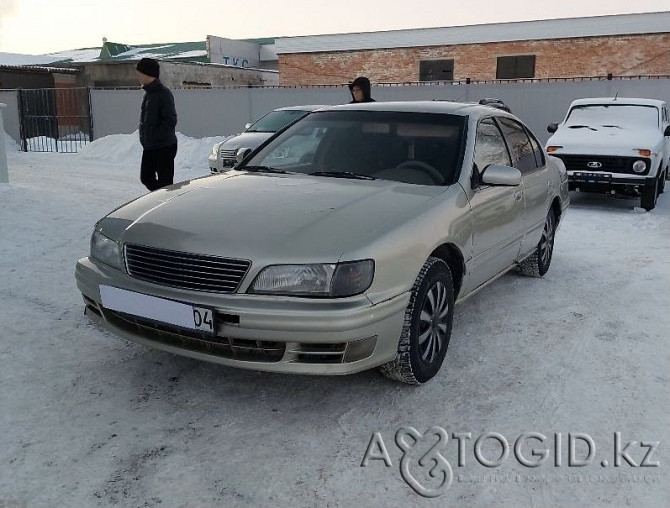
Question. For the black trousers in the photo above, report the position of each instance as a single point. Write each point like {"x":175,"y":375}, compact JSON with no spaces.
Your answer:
{"x":157,"y":168}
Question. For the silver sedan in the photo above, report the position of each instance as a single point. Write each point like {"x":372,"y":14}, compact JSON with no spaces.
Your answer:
{"x":340,"y":245}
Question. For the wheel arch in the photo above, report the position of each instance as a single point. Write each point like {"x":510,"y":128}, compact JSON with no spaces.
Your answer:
{"x":452,"y":256}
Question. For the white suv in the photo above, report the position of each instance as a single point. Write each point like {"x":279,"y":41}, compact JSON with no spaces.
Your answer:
{"x":615,"y":145}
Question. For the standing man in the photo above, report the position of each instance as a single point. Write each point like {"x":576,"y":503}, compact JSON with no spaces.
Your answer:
{"x":361,"y":90}
{"x":158,"y":120}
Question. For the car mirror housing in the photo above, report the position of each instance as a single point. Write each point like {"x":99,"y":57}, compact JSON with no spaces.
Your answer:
{"x":667,"y":131}
{"x":501,"y":175}
{"x":246,"y":126}
{"x":552,"y":127}
{"x":241,"y":154}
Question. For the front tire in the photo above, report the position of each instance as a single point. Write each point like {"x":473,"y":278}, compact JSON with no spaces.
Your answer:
{"x":537,"y":264}
{"x":649,"y":196}
{"x":427,"y":329}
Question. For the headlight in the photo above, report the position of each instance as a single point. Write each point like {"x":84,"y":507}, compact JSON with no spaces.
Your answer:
{"x":639,"y":166}
{"x":105,"y":250}
{"x":327,"y":280}
{"x":215,"y":150}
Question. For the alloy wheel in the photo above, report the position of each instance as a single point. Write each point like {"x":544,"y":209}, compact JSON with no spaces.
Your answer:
{"x":433,"y":323}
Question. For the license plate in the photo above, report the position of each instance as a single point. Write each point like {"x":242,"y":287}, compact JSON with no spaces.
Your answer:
{"x":193,"y":317}
{"x":592,"y":177}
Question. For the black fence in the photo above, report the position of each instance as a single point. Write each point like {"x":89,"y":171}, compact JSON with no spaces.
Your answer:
{"x":54,"y":119}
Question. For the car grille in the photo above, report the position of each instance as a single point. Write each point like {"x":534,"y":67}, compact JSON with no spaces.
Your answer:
{"x":184,"y":270}
{"x":228,"y":158}
{"x":607,"y":163}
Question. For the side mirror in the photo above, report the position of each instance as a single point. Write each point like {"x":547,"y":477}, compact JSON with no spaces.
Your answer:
{"x":667,"y":131}
{"x":246,"y":126}
{"x":241,"y":154}
{"x":552,"y":127}
{"x":501,"y":175}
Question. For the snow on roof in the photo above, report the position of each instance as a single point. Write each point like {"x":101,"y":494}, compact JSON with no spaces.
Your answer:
{"x":169,"y":51}
{"x":619,"y":100}
{"x":16,"y":59}
{"x":75,"y":55}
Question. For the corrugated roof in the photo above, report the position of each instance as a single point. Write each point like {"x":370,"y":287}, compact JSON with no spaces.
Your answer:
{"x":620,"y":24}
{"x":191,"y":51}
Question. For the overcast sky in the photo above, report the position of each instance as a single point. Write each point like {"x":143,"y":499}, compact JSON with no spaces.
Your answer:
{"x":42,"y":26}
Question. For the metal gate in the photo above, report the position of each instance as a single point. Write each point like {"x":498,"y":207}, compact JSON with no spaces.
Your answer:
{"x":55,"y":119}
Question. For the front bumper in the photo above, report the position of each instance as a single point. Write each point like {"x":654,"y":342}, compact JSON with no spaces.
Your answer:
{"x":598,"y":181}
{"x":274,"y":334}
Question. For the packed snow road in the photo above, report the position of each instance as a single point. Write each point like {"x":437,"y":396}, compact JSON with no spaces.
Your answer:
{"x":88,"y":419}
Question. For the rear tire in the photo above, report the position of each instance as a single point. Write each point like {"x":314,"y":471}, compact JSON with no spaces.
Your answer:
{"x":537,"y":264}
{"x":427,"y":329}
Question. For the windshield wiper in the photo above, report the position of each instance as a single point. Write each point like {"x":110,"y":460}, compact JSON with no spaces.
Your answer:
{"x":263,"y":169}
{"x":581,"y":127}
{"x":343,"y":174}
{"x":613,"y":126}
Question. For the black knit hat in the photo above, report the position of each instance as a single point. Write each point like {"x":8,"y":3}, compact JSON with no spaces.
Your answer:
{"x":149,"y":66}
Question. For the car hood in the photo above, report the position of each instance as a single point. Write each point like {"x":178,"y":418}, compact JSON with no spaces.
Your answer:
{"x":605,"y":139}
{"x":272,"y":218}
{"x":245,"y":140}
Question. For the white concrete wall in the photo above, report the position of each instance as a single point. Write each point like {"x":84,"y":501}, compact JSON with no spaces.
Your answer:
{"x":218,"y":112}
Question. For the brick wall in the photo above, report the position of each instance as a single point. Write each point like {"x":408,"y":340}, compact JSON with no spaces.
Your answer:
{"x":588,"y":56}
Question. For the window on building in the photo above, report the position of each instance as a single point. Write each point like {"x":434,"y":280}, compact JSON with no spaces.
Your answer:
{"x":436,"y":70}
{"x":513,"y":67}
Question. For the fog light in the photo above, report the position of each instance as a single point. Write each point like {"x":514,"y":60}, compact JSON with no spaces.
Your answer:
{"x":639,"y":166}
{"x":360,"y":349}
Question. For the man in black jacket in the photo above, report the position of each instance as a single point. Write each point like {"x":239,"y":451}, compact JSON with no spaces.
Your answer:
{"x":157,"y":127}
{"x":361,"y":90}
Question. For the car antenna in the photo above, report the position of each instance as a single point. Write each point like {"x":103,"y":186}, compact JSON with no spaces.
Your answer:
{"x":616,"y":95}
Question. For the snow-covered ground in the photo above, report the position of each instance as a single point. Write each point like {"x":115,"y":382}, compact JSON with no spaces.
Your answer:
{"x":87,"y":419}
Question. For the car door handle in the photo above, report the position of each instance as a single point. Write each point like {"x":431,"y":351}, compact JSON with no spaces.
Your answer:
{"x":518,"y":195}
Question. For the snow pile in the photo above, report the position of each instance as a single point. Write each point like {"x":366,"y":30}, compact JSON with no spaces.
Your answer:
{"x":125,"y":149}
{"x":122,"y":149}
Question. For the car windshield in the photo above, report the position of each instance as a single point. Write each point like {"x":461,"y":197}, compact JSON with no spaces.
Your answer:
{"x":608,"y":115}
{"x":417,"y":148}
{"x":276,"y":120}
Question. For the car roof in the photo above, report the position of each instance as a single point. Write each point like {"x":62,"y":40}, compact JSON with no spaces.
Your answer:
{"x":632,"y":101}
{"x":308,"y":107}
{"x":435,"y":106}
